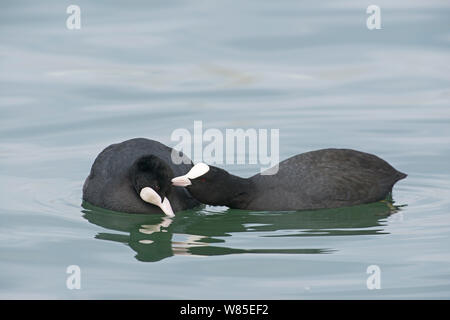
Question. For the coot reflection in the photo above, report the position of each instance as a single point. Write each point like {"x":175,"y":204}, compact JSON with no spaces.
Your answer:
{"x":197,"y":232}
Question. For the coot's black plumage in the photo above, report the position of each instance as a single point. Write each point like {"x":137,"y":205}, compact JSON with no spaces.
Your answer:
{"x":121,"y":170}
{"x":327,"y":178}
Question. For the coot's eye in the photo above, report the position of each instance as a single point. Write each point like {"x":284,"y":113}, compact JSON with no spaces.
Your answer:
{"x":157,"y":188}
{"x":203,"y":180}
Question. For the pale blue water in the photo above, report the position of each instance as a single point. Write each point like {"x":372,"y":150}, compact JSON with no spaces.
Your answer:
{"x":144,"y":68}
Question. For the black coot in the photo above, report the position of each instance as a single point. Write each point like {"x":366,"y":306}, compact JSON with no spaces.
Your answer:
{"x":131,"y":175}
{"x":327,"y":178}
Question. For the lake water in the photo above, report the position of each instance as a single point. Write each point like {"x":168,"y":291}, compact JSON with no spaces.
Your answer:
{"x":312,"y":70}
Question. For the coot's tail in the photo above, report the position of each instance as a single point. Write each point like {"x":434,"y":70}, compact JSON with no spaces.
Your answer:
{"x":400,"y":175}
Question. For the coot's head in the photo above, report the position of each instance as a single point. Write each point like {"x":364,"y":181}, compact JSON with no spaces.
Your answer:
{"x":208,"y":184}
{"x":150,"y":177}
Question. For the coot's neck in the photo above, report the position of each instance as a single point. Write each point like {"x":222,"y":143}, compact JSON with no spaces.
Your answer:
{"x":224,"y":189}
{"x":241,"y":192}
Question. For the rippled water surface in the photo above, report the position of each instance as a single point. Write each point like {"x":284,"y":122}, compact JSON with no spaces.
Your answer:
{"x":144,"y":68}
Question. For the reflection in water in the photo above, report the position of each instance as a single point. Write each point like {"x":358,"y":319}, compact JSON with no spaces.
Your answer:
{"x":195,"y":232}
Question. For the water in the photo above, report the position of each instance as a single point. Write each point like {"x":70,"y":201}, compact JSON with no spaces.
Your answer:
{"x":312,"y":70}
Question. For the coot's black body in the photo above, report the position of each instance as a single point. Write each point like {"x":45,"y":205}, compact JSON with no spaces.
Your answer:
{"x":109,"y":184}
{"x":327,"y":178}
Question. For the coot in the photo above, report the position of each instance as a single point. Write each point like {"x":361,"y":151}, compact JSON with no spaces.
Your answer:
{"x":327,"y":178}
{"x":134,"y":176}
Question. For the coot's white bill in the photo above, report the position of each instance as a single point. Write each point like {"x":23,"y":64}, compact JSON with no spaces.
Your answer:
{"x":151,"y":196}
{"x":167,"y":208}
{"x":196,"y":171}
